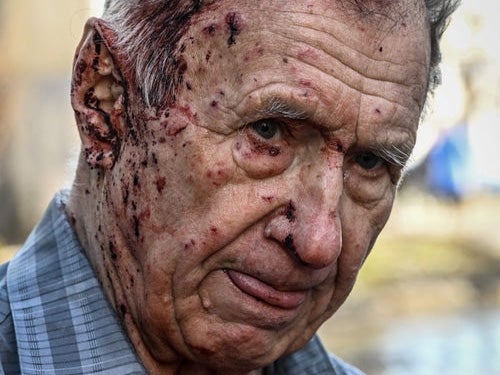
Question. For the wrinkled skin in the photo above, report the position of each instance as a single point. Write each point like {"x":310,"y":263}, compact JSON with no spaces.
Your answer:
{"x":226,"y":232}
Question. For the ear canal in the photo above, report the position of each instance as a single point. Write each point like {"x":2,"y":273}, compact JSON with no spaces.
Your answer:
{"x":97,"y":100}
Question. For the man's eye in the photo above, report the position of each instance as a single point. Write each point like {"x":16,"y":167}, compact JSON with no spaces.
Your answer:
{"x":368,"y":160}
{"x":267,"y":129}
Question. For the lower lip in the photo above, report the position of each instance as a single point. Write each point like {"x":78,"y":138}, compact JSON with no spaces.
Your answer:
{"x":266,"y":293}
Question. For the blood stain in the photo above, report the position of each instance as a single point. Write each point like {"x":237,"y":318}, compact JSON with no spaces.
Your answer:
{"x":160,"y":184}
{"x":233,"y":20}
{"x":210,"y":30}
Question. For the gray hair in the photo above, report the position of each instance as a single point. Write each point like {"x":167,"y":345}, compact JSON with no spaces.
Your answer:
{"x":439,"y":12}
{"x":147,"y":37}
{"x":148,"y":33}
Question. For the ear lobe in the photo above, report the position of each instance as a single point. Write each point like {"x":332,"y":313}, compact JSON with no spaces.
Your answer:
{"x":97,"y":99}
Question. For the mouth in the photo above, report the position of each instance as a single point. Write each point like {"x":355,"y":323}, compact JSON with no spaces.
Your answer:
{"x":266,"y":293}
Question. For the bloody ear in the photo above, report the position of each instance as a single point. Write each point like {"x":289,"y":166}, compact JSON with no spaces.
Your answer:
{"x":97,"y":98}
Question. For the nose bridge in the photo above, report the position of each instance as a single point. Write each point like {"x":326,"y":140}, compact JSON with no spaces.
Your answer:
{"x":317,"y":229}
{"x":321,"y":185}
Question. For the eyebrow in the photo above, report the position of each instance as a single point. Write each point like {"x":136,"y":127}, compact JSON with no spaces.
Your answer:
{"x":397,"y":154}
{"x":279,"y":108}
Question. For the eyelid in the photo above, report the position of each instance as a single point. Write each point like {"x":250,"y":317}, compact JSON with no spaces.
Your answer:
{"x":296,"y":128}
{"x":259,"y":157}
{"x":383,"y":158}
{"x":392,"y":156}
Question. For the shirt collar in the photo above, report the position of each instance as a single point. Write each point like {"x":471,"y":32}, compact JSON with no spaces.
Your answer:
{"x":62,"y":318}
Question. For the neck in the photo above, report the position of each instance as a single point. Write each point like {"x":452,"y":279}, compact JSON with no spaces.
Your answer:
{"x":107,"y":250}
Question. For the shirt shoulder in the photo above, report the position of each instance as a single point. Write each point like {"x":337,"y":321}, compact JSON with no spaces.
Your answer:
{"x":63,"y":321}
{"x":312,"y":359}
{"x":343,"y":368}
{"x":4,"y":296}
{"x":9,"y":360}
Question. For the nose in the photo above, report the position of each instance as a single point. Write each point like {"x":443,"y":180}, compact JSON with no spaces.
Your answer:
{"x":309,"y":226}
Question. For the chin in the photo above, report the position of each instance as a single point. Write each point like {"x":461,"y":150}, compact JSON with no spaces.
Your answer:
{"x":240,"y":348}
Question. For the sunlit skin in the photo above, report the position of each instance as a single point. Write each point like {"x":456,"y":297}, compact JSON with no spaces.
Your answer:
{"x":234,"y":223}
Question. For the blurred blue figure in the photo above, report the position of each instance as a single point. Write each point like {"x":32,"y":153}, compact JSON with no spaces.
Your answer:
{"x":449,"y":166}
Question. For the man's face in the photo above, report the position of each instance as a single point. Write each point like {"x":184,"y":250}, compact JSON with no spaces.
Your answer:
{"x":250,"y":206}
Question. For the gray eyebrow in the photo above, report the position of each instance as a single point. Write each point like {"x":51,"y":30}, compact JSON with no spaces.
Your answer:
{"x":397,"y":154}
{"x":278,"y":108}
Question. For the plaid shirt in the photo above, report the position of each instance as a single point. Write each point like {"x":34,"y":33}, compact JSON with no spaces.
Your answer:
{"x":55,"y":319}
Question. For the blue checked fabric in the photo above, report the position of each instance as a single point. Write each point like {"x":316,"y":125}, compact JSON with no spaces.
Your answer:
{"x":55,"y":319}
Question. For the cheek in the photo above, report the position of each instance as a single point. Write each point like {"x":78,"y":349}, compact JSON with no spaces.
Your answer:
{"x":215,"y":174}
{"x":186,"y":175}
{"x":128,"y":189}
{"x":360,"y":227}
{"x":200,"y":167}
{"x":145,"y":198}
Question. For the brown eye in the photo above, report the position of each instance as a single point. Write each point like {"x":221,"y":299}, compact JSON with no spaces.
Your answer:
{"x":267,"y":129}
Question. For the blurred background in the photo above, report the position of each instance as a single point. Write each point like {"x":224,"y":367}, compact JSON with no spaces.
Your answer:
{"x":428,"y":299}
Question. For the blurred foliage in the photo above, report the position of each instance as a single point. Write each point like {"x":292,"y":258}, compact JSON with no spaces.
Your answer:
{"x":410,"y":257}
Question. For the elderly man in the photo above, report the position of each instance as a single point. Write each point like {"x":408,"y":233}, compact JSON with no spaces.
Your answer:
{"x":239,"y":159}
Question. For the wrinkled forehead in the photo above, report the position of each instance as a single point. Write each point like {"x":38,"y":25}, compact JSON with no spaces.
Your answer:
{"x":365,"y":11}
{"x":364,"y":23}
{"x":371,"y":12}
{"x":385,"y":18}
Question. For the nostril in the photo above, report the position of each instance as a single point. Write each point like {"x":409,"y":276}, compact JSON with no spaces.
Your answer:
{"x":310,"y":237}
{"x":289,"y":245}
{"x":290,"y":212}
